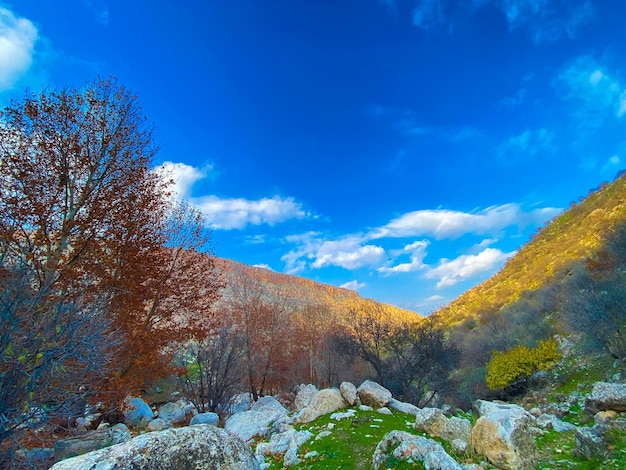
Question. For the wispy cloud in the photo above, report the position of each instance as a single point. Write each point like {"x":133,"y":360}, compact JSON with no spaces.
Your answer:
{"x":228,"y":213}
{"x":417,"y":252}
{"x":99,"y":10}
{"x":440,"y":224}
{"x":17,"y":43}
{"x":545,"y":20}
{"x":353,"y":285}
{"x":348,"y":252}
{"x":450,"y":272}
{"x":526,"y":145}
{"x":594,"y":92}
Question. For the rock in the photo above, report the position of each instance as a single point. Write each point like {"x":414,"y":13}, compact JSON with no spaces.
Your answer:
{"x":239,"y":403}
{"x":205,"y":418}
{"x":324,"y":402}
{"x":348,"y":392}
{"x":345,"y":415}
{"x":304,"y":396}
{"x":137,"y":413}
{"x":604,"y":417}
{"x":430,"y":421}
{"x":365,"y":408}
{"x":606,"y":396}
{"x":440,"y":460}
{"x":402,"y":407}
{"x":459,"y":446}
{"x":504,"y":434}
{"x":456,"y":428}
{"x":590,"y":444}
{"x":173,"y":413}
{"x":201,"y":447}
{"x":374,"y":395}
{"x":384,"y":411}
{"x":404,"y":446}
{"x":548,"y":421}
{"x":267,"y":411}
{"x":158,"y":424}
{"x":279,"y":443}
{"x":90,"y":441}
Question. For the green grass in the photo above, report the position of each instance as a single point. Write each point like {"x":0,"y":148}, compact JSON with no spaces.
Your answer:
{"x":352,"y":441}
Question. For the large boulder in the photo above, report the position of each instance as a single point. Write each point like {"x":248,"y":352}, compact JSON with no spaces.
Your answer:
{"x":201,"y":447}
{"x":434,"y":422}
{"x":325,"y":401}
{"x":173,"y":413}
{"x":606,"y":396}
{"x":137,"y":413}
{"x":93,"y":440}
{"x":504,"y":435}
{"x":258,"y":420}
{"x":373,"y":394}
{"x":348,"y":391}
{"x":589,"y":443}
{"x":304,"y":396}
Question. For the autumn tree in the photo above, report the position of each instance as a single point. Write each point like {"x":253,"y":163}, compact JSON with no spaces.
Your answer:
{"x":263,"y":318}
{"x":87,"y":222}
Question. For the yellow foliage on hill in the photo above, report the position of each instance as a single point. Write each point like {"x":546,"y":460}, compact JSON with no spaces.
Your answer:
{"x":574,"y":235}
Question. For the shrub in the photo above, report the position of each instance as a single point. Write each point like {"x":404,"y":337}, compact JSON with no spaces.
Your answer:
{"x":516,"y":365}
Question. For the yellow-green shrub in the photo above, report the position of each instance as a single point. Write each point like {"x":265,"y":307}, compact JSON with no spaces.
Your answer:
{"x":519,"y":363}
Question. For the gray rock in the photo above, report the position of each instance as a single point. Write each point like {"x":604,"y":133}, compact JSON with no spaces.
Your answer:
{"x":239,"y":403}
{"x":325,"y":401}
{"x":504,"y":434}
{"x":440,"y":460}
{"x":348,"y":392}
{"x":374,"y":395}
{"x":549,"y":421}
{"x":173,"y":413}
{"x":137,"y":413}
{"x":90,"y":441}
{"x":201,"y":447}
{"x":257,"y":421}
{"x":430,"y":421}
{"x":402,"y":407}
{"x":606,"y":396}
{"x":459,"y":446}
{"x":158,"y":424}
{"x":404,"y":446}
{"x":432,"y":400}
{"x":304,"y":396}
{"x":456,"y":428}
{"x":205,"y":418}
{"x":590,"y":444}
{"x":287,"y":443}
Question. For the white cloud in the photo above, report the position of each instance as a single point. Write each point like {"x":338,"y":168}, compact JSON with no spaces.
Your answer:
{"x":451,"y":272}
{"x":228,"y":213}
{"x":263,"y":266}
{"x":353,"y":285}
{"x":17,"y":44}
{"x":417,"y":251}
{"x":183,"y":176}
{"x":348,"y":252}
{"x":236,"y":213}
{"x":441,"y":224}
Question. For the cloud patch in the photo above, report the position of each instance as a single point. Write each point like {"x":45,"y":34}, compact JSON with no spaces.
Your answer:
{"x":525,"y":145}
{"x":353,"y":285}
{"x":17,"y":43}
{"x":441,"y":224}
{"x":450,"y":272}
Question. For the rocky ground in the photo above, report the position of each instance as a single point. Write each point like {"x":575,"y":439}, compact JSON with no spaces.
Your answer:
{"x":362,"y":427}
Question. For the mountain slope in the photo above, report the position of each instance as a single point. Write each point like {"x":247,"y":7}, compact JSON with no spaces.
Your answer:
{"x":574,"y":235}
{"x":300,"y":291}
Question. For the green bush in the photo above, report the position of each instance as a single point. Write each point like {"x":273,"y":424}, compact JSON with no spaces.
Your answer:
{"x":517,"y":364}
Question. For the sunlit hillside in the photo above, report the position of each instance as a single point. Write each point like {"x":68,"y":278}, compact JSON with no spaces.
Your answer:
{"x":571,"y":236}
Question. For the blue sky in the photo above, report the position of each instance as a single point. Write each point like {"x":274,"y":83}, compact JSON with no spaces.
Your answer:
{"x":405,"y":149}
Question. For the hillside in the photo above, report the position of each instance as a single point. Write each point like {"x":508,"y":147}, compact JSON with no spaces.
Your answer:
{"x":572,"y":236}
{"x":300,"y":291}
